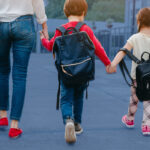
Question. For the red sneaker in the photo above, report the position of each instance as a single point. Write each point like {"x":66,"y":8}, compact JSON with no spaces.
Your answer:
{"x":3,"y":122}
{"x":14,"y":133}
{"x":128,"y":123}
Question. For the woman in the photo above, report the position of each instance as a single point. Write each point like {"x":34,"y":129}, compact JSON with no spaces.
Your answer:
{"x":17,"y":31}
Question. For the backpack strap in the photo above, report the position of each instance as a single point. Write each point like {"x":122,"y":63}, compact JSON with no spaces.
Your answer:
{"x":58,"y":90}
{"x":61,"y":29}
{"x":58,"y":93}
{"x":123,"y":66}
{"x":124,"y":69}
{"x":130,"y":55}
{"x":79,"y":25}
{"x":86,"y":95}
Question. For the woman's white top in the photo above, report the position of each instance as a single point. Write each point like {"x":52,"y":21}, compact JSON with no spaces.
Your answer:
{"x":12,"y":9}
{"x":140,"y":43}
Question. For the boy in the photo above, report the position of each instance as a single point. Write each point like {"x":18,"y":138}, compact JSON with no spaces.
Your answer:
{"x":75,"y":11}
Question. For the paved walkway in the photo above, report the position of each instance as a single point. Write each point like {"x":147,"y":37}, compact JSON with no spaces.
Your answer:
{"x":107,"y":103}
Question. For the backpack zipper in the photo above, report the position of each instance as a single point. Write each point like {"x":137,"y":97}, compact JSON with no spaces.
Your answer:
{"x":146,"y":74}
{"x":62,"y":66}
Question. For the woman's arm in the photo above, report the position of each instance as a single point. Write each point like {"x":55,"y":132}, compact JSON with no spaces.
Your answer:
{"x":39,"y":10}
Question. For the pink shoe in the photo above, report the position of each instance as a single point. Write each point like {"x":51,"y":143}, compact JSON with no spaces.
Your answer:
{"x":145,"y":130}
{"x":128,"y":123}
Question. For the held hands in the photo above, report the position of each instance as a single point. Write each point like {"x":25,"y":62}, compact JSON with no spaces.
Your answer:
{"x":111,"y":68}
{"x":44,"y":32}
{"x":41,"y":35}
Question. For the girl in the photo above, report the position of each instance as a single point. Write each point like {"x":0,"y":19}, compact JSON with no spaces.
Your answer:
{"x":75,"y":10}
{"x":139,"y":42}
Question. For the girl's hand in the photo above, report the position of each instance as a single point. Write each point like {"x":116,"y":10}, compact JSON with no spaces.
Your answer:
{"x":111,"y":69}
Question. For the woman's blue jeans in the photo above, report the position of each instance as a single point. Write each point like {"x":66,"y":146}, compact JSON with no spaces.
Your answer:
{"x":20,"y":36}
{"x":72,"y":102}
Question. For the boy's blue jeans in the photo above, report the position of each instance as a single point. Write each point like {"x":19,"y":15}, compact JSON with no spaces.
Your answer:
{"x":72,"y":102}
{"x":20,"y":35}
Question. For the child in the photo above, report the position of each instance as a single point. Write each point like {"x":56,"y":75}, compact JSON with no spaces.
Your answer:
{"x":139,"y":42}
{"x":75,"y":10}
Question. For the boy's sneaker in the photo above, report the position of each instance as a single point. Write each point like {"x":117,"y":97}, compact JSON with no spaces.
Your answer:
{"x":3,"y":122}
{"x":78,"y":128}
{"x":128,"y":123}
{"x":70,"y":134}
{"x":145,"y":130}
{"x":15,"y":133}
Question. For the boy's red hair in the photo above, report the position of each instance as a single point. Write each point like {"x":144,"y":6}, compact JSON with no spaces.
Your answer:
{"x":143,"y":18}
{"x":75,"y":7}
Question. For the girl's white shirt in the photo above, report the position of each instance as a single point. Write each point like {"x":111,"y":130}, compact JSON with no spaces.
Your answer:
{"x":140,"y":43}
{"x":12,"y":9}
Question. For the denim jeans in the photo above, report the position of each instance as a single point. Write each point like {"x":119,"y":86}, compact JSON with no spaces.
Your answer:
{"x":20,"y":35}
{"x":72,"y":102}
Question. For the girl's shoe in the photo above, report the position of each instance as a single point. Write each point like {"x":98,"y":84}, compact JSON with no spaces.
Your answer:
{"x":78,"y":128}
{"x":3,"y":122}
{"x":145,"y":130}
{"x":70,"y":134}
{"x":128,"y":123}
{"x":14,"y":133}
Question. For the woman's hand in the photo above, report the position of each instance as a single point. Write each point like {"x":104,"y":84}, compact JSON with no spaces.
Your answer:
{"x":45,"y":30}
{"x":41,"y":35}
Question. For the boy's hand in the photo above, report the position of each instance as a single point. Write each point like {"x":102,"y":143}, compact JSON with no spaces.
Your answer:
{"x":107,"y":68}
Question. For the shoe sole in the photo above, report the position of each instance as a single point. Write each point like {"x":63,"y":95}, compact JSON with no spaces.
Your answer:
{"x":16,"y":137}
{"x":70,"y":135}
{"x":79,"y":132}
{"x":128,"y":126}
{"x":146,"y":133}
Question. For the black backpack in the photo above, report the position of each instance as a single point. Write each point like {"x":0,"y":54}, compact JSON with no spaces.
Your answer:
{"x":142,"y":75}
{"x":75,"y":57}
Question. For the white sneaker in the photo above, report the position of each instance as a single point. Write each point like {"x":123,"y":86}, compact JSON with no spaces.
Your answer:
{"x":70,"y":134}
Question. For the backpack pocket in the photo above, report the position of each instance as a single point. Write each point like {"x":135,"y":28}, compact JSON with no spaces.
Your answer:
{"x":146,"y":85}
{"x":80,"y":71}
{"x":143,"y":88}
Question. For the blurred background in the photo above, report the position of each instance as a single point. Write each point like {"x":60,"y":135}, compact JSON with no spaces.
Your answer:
{"x":112,"y":21}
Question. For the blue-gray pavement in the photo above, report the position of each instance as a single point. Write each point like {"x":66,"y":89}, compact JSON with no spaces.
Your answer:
{"x":107,"y":103}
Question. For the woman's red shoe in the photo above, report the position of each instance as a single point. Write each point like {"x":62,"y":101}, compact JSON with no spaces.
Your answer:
{"x":14,"y":133}
{"x":3,"y":122}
